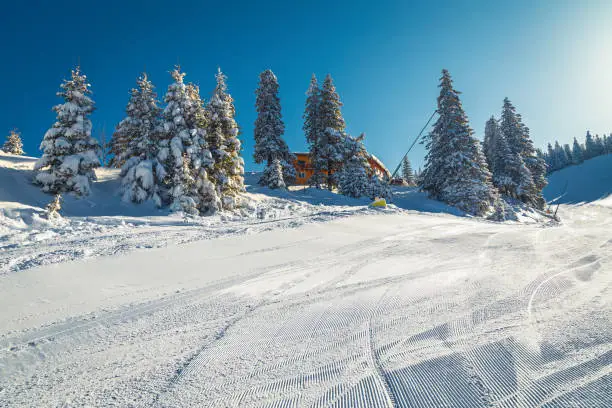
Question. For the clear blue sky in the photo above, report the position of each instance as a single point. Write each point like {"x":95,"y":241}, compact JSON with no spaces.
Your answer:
{"x":552,"y":58}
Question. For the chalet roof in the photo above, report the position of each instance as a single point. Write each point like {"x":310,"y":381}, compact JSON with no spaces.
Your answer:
{"x":370,"y":155}
{"x":380,"y":163}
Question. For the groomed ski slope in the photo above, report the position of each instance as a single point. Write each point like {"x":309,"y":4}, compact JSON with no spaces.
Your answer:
{"x":395,"y":309}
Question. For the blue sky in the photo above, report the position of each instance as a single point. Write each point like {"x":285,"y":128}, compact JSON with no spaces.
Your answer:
{"x":553,"y":59}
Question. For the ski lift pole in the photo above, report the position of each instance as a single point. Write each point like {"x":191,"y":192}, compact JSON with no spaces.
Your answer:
{"x":412,"y":145}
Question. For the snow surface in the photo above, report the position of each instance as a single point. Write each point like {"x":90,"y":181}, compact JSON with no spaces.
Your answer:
{"x":413,"y":306}
{"x":589,"y":181}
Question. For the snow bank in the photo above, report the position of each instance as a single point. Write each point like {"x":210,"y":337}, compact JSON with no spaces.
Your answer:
{"x":587,"y":182}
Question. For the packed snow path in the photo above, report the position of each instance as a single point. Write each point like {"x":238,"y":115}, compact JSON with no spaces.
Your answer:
{"x":394,"y":310}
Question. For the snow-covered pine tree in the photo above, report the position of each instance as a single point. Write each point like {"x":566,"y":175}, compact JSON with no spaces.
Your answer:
{"x":609,"y":144}
{"x":13,"y":144}
{"x":183,"y":151}
{"x":600,"y":148}
{"x":553,"y":163}
{"x":491,"y":130}
{"x":273,"y":174}
{"x":568,"y":154}
{"x":328,"y":154}
{"x":312,"y":127}
{"x":201,"y":159}
{"x":353,"y":178}
{"x":379,"y":187}
{"x":407,"y":173}
{"x":142,"y":174}
{"x":560,"y":156}
{"x":519,"y":142}
{"x":70,"y":154}
{"x":510,"y":175}
{"x":269,"y":129}
{"x":222,"y":131}
{"x":590,"y":148}
{"x":118,"y":146}
{"x":455,"y":170}
{"x":577,"y":152}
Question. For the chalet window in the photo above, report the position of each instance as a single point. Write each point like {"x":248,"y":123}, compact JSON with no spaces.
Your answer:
{"x":301,"y":162}
{"x":301,"y":174}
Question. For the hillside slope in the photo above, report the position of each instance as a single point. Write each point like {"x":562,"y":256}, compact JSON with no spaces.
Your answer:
{"x":587,"y":182}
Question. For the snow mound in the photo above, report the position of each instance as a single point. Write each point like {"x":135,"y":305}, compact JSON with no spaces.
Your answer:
{"x":587,"y":182}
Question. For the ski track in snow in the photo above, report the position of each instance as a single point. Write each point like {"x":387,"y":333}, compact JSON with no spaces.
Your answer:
{"x":399,"y":310}
{"x":379,"y":309}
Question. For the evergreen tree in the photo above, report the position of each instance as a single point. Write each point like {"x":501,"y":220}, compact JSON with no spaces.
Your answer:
{"x":13,"y":144}
{"x":407,"y":173}
{"x":183,"y":150}
{"x":553,"y":161}
{"x":609,"y":144}
{"x":70,"y":154}
{"x":222,"y":131}
{"x":269,"y":129}
{"x":328,"y":154}
{"x":142,"y":174}
{"x":519,"y":142}
{"x":492,"y":132}
{"x":353,"y":178}
{"x":561,"y":157}
{"x":456,"y":171}
{"x":379,"y":187}
{"x":510,"y":175}
{"x":577,"y":153}
{"x":568,"y":154}
{"x":600,"y":148}
{"x":590,"y":148}
{"x":312,"y":127}
{"x":118,"y":146}
{"x":273,"y":174}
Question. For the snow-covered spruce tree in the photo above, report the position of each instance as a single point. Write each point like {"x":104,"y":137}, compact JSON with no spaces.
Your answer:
{"x":552,"y":163}
{"x":273,"y":175}
{"x":142,"y":174}
{"x":560,"y":156}
{"x":407,"y":173}
{"x":227,"y":173}
{"x":118,"y":146}
{"x":328,"y":154}
{"x":312,"y":127}
{"x":590,"y":148}
{"x":600,"y":148}
{"x":519,"y":142}
{"x":379,"y":187}
{"x":510,"y":175}
{"x":609,"y":144}
{"x":568,"y":154}
{"x":70,"y":154}
{"x":577,"y":153}
{"x":13,"y":144}
{"x":353,"y":178}
{"x":269,"y":129}
{"x":183,"y":152}
{"x":491,"y":130}
{"x":455,"y":170}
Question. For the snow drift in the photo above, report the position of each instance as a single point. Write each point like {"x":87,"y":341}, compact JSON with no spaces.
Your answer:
{"x":586,"y":182}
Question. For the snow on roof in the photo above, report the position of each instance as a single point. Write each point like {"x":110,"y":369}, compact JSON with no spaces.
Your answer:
{"x":380,"y":163}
